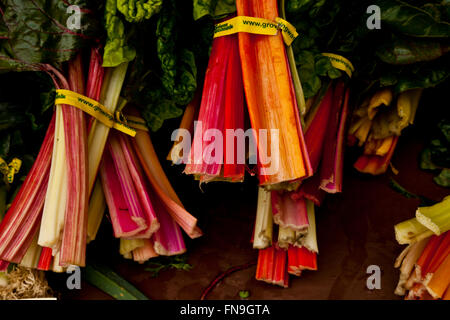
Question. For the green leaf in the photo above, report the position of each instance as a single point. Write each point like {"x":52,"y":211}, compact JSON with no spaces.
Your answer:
{"x":443,"y":179}
{"x":111,"y":283}
{"x":213,"y":8}
{"x":244,"y":294}
{"x":407,"y":51}
{"x":412,"y":21}
{"x":138,"y":10}
{"x":116,"y":49}
{"x":5,"y":143}
{"x":311,"y":83}
{"x":159,"y":264}
{"x":34,"y":25}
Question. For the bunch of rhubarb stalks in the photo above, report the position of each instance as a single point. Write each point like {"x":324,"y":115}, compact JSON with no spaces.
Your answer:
{"x":83,"y":166}
{"x":298,"y":156}
{"x":425,"y":263}
{"x":377,"y":124}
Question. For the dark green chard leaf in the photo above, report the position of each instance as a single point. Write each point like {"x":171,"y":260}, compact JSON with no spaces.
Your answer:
{"x":413,"y":21}
{"x":436,"y":156}
{"x":213,"y":8}
{"x":163,"y":77}
{"x":443,"y":179}
{"x":34,"y":32}
{"x":407,"y":51}
{"x":179,"y":72}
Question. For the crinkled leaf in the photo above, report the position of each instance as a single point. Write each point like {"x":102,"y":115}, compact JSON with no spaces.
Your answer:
{"x":37,"y":32}
{"x":214,"y":8}
{"x":413,"y":21}
{"x":116,"y":49}
{"x":179,"y":71}
{"x":311,"y":83}
{"x":138,"y":10}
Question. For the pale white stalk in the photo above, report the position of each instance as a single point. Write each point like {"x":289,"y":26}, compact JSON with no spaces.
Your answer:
{"x":52,"y":222}
{"x":31,"y":257}
{"x":111,"y":88}
{"x":264,"y":220}
{"x":408,"y":264}
{"x":286,"y":236}
{"x":310,"y":240}
{"x":55,"y":266}
{"x":411,"y":231}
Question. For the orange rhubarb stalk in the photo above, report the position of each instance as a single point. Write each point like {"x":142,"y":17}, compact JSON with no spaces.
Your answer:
{"x":271,"y":100}
{"x":440,"y":279}
{"x":300,"y":258}
{"x":272,"y":266}
{"x":374,"y":164}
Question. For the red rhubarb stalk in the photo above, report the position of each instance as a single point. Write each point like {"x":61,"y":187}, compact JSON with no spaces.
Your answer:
{"x":45,"y":259}
{"x":206,"y":154}
{"x":21,"y":222}
{"x":272,"y":266}
{"x":234,"y":165}
{"x":333,"y":154}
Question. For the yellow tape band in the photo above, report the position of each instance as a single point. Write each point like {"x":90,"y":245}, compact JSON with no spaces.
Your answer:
{"x":259,"y":26}
{"x":9,"y":170}
{"x":93,"y":108}
{"x":341,"y":63}
{"x":287,"y":30}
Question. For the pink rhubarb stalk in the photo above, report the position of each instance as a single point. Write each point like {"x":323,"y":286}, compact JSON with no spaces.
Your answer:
{"x":289,"y":213}
{"x":125,"y":225}
{"x":73,"y":246}
{"x":140,"y":184}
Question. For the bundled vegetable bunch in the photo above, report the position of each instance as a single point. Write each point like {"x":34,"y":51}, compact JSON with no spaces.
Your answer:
{"x":425,"y":263}
{"x":409,"y":54}
{"x":61,"y":203}
{"x":295,"y":169}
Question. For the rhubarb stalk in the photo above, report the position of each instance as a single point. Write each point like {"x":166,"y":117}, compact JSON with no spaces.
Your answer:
{"x":271,"y":99}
